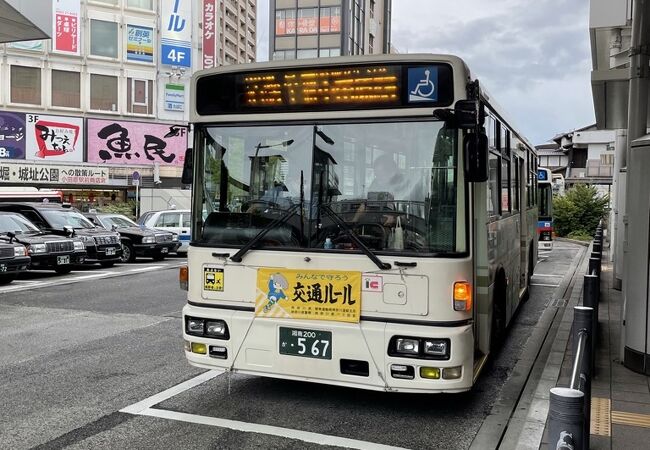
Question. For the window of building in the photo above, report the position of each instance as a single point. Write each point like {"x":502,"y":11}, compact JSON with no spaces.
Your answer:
{"x":111,"y":2}
{"x":307,"y":21}
{"x":66,"y":89}
{"x":103,"y":38}
{"x":142,"y":4}
{"x":330,"y":19}
{"x":285,"y":22}
{"x":280,"y":55}
{"x":103,"y":92}
{"x":493,"y":203}
{"x":26,"y":85}
{"x":139,"y":96}
{"x":307,"y":53}
{"x":372,"y":9}
{"x":371,"y":44}
{"x":329,"y":52}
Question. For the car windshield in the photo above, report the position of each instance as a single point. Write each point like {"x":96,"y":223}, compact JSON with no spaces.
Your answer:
{"x":62,"y":218}
{"x":118,"y":221}
{"x":16,"y":224}
{"x":392,"y":184}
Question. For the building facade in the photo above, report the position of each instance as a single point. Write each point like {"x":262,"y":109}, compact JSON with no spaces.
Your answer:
{"x":301,"y":29}
{"x":109,"y":93}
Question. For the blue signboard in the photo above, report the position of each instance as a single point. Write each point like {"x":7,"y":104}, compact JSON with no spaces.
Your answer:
{"x":423,"y":84}
{"x":176,"y":33}
{"x":542,"y":175}
{"x":12,"y":135}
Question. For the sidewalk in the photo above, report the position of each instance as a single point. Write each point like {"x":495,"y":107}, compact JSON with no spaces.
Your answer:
{"x":620,"y":415}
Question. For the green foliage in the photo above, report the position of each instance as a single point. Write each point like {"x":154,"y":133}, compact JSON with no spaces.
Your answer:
{"x":578,"y":211}
{"x":126,"y":208}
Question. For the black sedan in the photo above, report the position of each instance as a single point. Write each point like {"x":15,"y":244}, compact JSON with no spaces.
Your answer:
{"x":13,"y":260}
{"x":46,"y":250}
{"x":102,"y":246}
{"x":137,"y":240}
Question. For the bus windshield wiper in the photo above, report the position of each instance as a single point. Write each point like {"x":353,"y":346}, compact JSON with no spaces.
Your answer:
{"x":355,"y":237}
{"x":237,"y":257}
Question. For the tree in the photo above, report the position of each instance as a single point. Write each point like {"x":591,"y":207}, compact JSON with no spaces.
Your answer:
{"x":578,"y":211}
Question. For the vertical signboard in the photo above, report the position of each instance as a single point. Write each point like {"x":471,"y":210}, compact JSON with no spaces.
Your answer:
{"x":54,"y":138}
{"x":119,"y":142}
{"x":209,"y":24}
{"x":12,"y":135}
{"x":176,"y":33}
{"x":65,"y":33}
{"x":174,"y":97}
{"x":139,"y":43}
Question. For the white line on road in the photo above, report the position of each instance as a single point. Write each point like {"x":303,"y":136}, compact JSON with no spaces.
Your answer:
{"x":544,"y":285}
{"x":137,"y":408}
{"x":146,"y":269}
{"x":549,"y":275}
{"x":247,"y":427}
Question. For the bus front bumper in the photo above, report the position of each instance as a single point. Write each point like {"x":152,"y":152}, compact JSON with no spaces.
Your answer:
{"x":358,"y":356}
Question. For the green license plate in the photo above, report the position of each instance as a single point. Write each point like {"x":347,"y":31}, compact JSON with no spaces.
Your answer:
{"x":307,"y":343}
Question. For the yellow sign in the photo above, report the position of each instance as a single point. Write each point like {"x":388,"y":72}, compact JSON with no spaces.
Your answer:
{"x":309,"y":294}
{"x":213,"y":279}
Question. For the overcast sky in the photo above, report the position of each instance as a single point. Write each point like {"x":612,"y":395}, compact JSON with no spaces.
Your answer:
{"x":532,"y":55}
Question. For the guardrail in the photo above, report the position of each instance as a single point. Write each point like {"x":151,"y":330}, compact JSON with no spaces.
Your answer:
{"x":570,"y":407}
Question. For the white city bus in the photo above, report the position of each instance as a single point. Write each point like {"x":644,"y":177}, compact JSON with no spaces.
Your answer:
{"x":358,"y":221}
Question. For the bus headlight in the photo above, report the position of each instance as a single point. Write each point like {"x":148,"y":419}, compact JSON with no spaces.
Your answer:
{"x":194,"y":326}
{"x":216,"y":328}
{"x":436,"y":347}
{"x":407,"y":346}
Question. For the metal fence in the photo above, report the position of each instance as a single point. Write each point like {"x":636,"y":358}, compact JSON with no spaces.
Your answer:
{"x":570,"y":407}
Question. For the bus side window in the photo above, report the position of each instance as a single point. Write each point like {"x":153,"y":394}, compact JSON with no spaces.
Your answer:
{"x":493,"y":186}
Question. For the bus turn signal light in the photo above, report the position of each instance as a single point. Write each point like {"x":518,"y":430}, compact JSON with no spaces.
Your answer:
{"x":183,"y":276}
{"x":462,"y":296}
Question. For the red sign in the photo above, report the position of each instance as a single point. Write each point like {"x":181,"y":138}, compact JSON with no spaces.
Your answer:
{"x":67,"y":33}
{"x":306,"y":25}
{"x":209,"y":28}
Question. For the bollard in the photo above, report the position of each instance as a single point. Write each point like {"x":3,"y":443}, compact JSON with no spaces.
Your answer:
{"x":566,"y":419}
{"x":597,"y":255}
{"x":598,"y":246}
{"x":594,"y":266}
{"x":583,"y":320}
{"x":590,"y":299}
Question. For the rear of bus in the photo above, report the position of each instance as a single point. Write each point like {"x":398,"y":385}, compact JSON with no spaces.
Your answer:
{"x":545,"y":219}
{"x":309,"y":259}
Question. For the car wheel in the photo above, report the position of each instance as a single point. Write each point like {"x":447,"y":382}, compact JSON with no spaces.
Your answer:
{"x":6,"y":279}
{"x":63,"y":270}
{"x":128,"y":253}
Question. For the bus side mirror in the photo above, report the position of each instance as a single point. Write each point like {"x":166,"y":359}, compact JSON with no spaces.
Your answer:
{"x":476,"y":157}
{"x":188,"y":165}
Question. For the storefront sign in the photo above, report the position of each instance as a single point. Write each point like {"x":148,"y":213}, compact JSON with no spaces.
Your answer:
{"x":118,"y":142}
{"x":65,"y":33}
{"x":34,"y":173}
{"x":54,"y":138}
{"x":176,"y":33}
{"x":174,"y":97}
{"x":12,"y":135}
{"x":209,"y":26}
{"x":139,"y":43}
{"x":308,"y":294}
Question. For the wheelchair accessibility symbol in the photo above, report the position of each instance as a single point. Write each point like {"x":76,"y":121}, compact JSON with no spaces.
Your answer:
{"x":422,"y":83}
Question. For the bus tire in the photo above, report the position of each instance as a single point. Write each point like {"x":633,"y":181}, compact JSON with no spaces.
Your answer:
{"x":498,"y":330}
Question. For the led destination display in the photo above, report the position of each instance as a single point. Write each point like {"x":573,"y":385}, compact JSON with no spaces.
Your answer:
{"x":326,"y":88}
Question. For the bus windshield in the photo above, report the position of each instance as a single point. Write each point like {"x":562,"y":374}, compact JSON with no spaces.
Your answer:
{"x":393,"y":185}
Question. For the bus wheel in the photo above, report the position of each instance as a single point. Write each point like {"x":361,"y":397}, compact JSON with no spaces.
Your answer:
{"x":498,"y":329}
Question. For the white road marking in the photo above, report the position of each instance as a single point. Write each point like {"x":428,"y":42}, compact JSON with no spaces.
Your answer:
{"x":247,"y":427}
{"x":547,"y":275}
{"x":544,"y":285}
{"x":144,"y":408}
{"x":146,"y":268}
{"x":142,"y":405}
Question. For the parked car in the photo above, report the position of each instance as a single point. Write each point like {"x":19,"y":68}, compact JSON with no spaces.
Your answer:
{"x":137,"y":240}
{"x":102,"y":246}
{"x":13,"y":259}
{"x":46,"y":250}
{"x":175,"y":220}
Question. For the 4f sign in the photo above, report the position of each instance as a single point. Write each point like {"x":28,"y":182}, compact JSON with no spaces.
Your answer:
{"x":176,"y":39}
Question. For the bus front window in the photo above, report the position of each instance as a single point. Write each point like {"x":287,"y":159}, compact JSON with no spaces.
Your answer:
{"x":392,"y":185}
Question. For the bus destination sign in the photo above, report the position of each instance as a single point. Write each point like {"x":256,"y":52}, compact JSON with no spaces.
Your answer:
{"x":369,"y":86}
